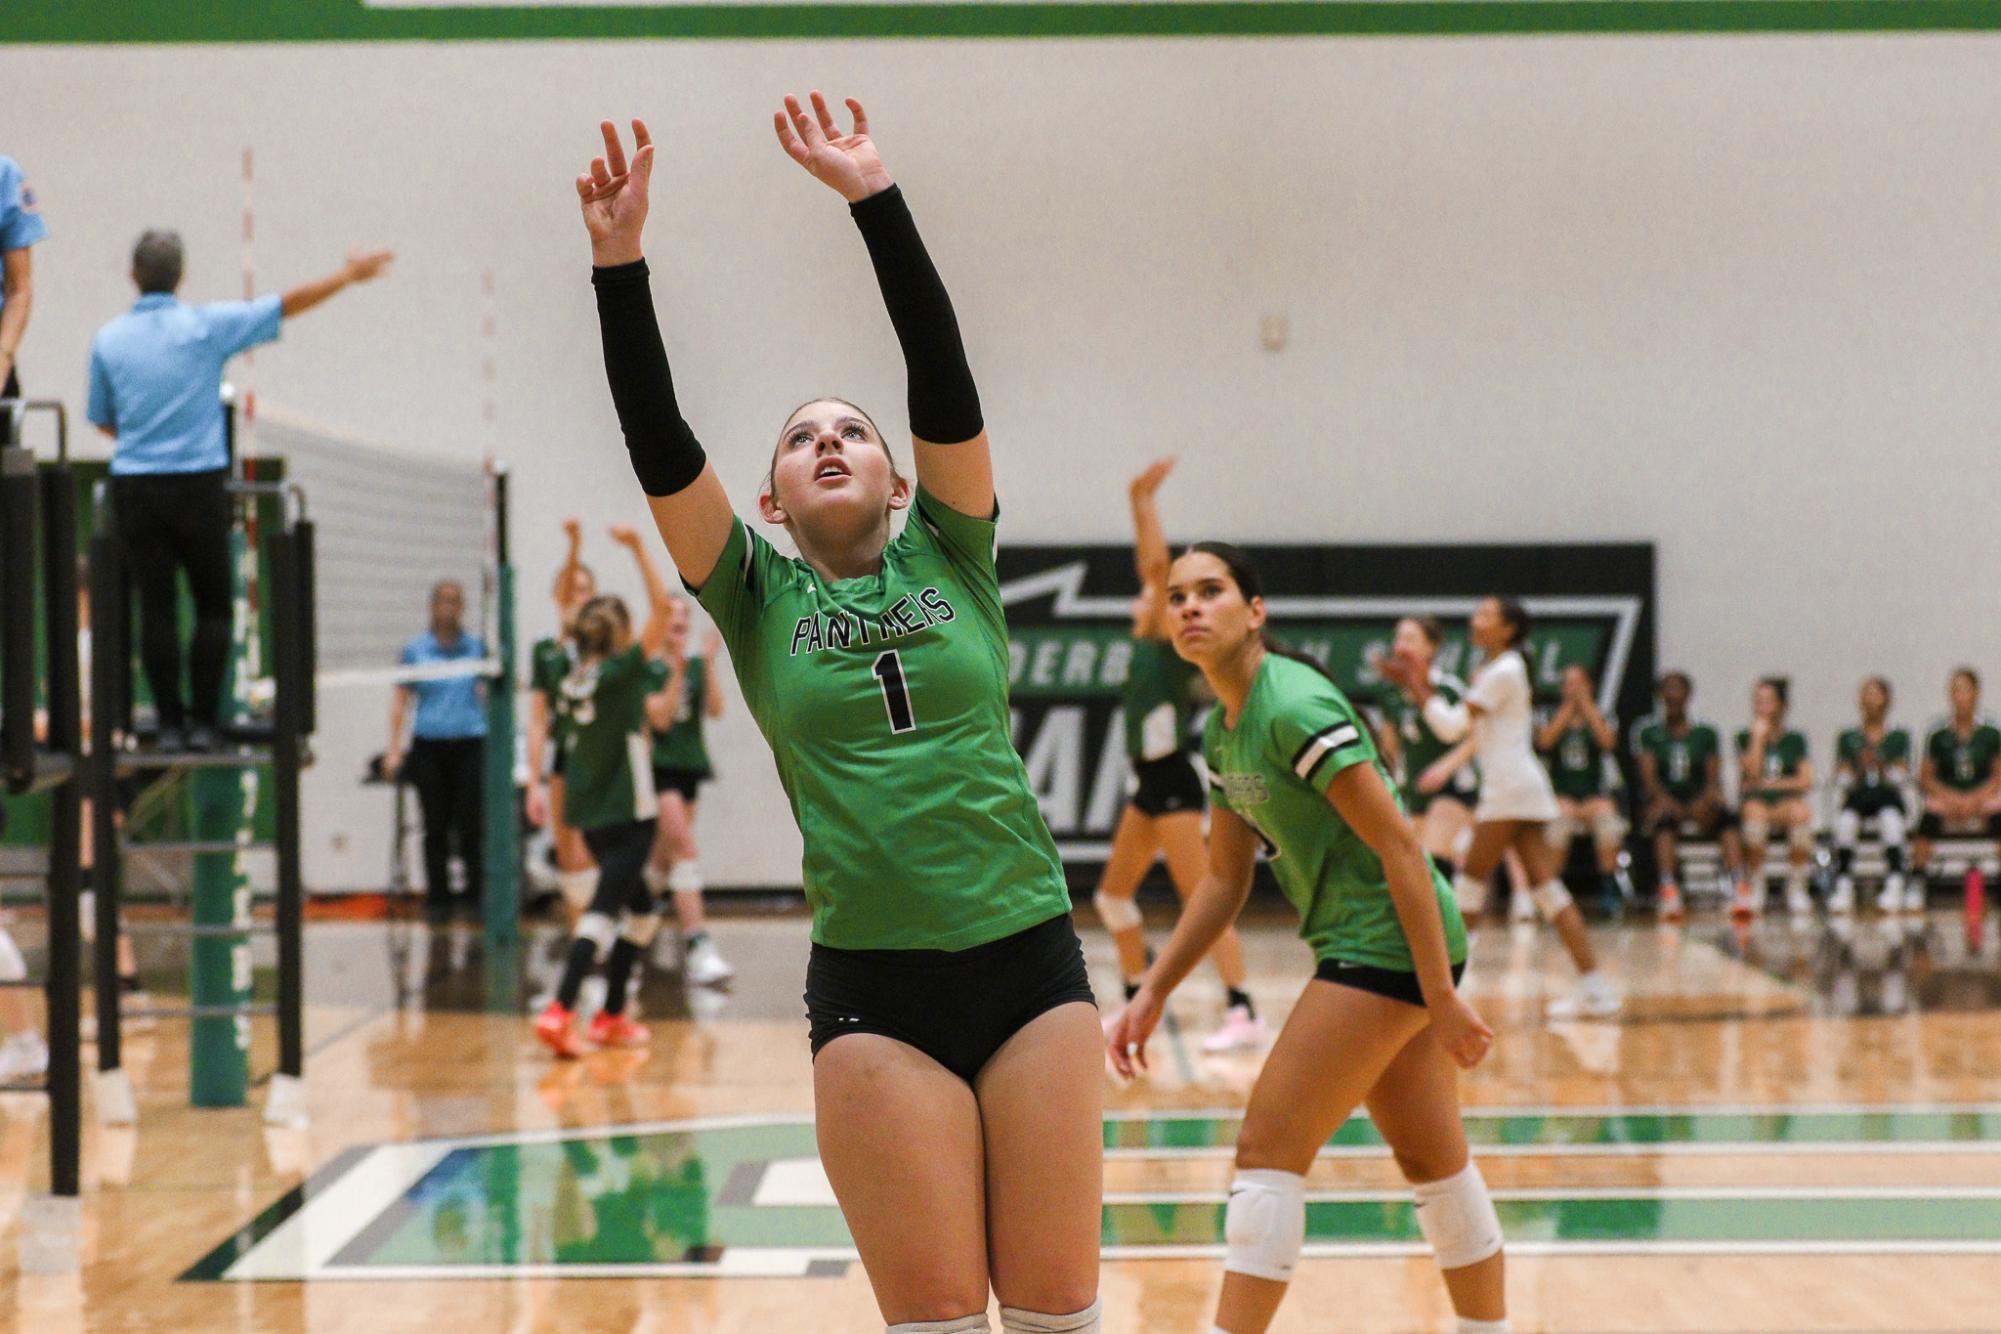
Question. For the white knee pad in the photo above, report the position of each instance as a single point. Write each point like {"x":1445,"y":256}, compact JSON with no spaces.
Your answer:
{"x":1756,"y":836}
{"x":1014,"y":1320}
{"x":639,"y":928}
{"x":685,"y":878}
{"x":598,"y":929}
{"x":965,"y":1324}
{"x":1561,"y":833}
{"x":1462,"y":843}
{"x":1457,"y":1217}
{"x":1890,"y":824}
{"x":1848,"y":828}
{"x":1800,"y":836}
{"x":1608,"y":827}
{"x":1471,"y":893}
{"x":1265,"y":1225}
{"x":1118,"y":914}
{"x":655,"y":878}
{"x":1551,"y":898}
{"x":13,"y":968}
{"x":578,"y":887}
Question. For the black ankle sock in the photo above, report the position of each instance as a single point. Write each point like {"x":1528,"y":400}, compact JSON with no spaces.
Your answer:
{"x":1893,"y":856}
{"x":1844,"y":860}
{"x":1238,"y":996}
{"x":617,"y":974}
{"x":583,"y":956}
{"x":1132,"y":989}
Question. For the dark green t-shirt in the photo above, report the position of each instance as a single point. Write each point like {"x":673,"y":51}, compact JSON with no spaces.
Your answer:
{"x":1577,"y":764}
{"x":1681,"y":760}
{"x":1784,"y":754}
{"x":548,"y":663}
{"x":1963,"y":763}
{"x":1879,"y":769}
{"x":682,"y":746}
{"x":607,"y":770}
{"x":1420,"y":747}
{"x":1297,"y":731}
{"x":884,"y":700}
{"x":1157,"y":701}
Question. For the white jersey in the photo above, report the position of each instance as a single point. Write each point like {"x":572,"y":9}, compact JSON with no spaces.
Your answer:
{"x":1513,"y":783}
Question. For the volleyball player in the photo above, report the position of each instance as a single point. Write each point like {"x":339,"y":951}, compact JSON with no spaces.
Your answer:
{"x":956,"y":1075}
{"x":1681,"y":785}
{"x":1439,"y":786}
{"x":1872,"y":762}
{"x":609,"y":794}
{"x":1776,"y":777}
{"x":680,"y":767}
{"x":550,"y":661}
{"x":1382,"y":1023}
{"x":1516,"y":800}
{"x":1960,"y":776}
{"x":1163,"y":814}
{"x":1576,"y":740}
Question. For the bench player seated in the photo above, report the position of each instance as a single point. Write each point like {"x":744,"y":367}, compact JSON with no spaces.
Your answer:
{"x":1872,"y":763}
{"x":1960,"y":776}
{"x":1776,"y":776}
{"x":1574,"y":743}
{"x":1681,"y":789}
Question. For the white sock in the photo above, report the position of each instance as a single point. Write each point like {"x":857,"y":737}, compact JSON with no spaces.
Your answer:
{"x":655,"y":878}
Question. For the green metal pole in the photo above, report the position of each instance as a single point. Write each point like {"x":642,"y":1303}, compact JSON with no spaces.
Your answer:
{"x":502,"y":906}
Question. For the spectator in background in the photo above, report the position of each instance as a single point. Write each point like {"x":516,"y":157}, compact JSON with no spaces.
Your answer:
{"x":1574,"y":743}
{"x":1681,"y":784}
{"x":1776,"y":777}
{"x":156,"y":390}
{"x":447,"y":752}
{"x":21,"y":226}
{"x":1960,"y":776}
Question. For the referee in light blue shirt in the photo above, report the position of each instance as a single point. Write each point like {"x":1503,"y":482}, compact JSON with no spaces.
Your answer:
{"x":156,"y":390}
{"x":447,"y":756}
{"x":21,"y":226}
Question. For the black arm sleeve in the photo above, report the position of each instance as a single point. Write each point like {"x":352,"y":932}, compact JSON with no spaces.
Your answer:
{"x":666,"y":457}
{"x":944,"y":404}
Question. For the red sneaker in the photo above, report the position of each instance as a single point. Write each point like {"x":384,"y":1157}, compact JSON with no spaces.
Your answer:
{"x":556,"y":1029}
{"x":1746,"y":904}
{"x":615,"y":1030}
{"x":1669,"y":905}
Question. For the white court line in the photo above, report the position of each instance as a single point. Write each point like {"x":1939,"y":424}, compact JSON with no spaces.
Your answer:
{"x":1555,"y":1194}
{"x":1614,"y":1109}
{"x":305,"y":1242}
{"x":1684,"y":1149}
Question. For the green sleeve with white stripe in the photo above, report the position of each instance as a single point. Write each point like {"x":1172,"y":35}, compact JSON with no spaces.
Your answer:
{"x":1317,"y":730}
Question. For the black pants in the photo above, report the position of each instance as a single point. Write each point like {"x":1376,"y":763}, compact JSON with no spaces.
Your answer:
{"x":450,"y":778}
{"x":169,"y":522}
{"x":621,"y":901}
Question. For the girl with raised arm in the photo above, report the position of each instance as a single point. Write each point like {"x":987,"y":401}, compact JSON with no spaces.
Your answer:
{"x":1382,"y":1023}
{"x":956,"y":1059}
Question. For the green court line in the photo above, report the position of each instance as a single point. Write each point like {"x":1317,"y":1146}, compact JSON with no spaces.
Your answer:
{"x":151,"y":21}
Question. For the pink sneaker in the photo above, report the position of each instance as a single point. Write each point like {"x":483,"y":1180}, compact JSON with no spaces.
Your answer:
{"x":615,"y":1030}
{"x":1240,"y":1031}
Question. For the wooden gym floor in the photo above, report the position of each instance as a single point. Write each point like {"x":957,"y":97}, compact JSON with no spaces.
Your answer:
{"x":1795,"y":1127}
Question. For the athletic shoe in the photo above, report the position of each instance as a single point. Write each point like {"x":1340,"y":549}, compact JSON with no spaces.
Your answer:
{"x":1669,"y":907}
{"x":1798,"y":902}
{"x":1841,"y":901}
{"x":556,"y":1029}
{"x":1240,"y":1030}
{"x":1521,"y":907}
{"x":1890,"y":901}
{"x":23,"y":1057}
{"x":1593,"y":998}
{"x":706,"y":965}
{"x":1746,"y":905}
{"x":615,"y":1030}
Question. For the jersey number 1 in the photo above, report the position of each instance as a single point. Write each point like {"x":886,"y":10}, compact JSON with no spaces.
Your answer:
{"x":888,"y":671}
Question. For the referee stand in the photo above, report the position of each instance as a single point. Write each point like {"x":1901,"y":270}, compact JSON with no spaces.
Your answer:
{"x":38,"y":531}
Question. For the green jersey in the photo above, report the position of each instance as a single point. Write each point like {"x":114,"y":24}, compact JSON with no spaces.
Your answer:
{"x":1157,"y":701}
{"x":607,"y":773}
{"x":884,"y":699}
{"x":681,"y":746}
{"x":1421,"y":747}
{"x":1681,"y":759}
{"x":1877,"y":769}
{"x":1964,"y":764}
{"x":1577,"y":764}
{"x":1296,"y":732}
{"x":1784,"y":754}
{"x":548,"y":663}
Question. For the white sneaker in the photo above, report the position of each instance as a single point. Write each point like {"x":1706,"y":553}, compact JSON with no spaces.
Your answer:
{"x":1521,"y":908}
{"x":1891,"y":900}
{"x":1841,"y":899}
{"x":1240,"y":1030}
{"x":1798,"y":902}
{"x":706,"y":965}
{"x":23,"y":1057}
{"x":1592,"y":998}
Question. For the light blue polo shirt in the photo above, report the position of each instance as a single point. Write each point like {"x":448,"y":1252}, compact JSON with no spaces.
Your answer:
{"x":21,"y":222}
{"x":446,"y":710}
{"x":156,"y":379}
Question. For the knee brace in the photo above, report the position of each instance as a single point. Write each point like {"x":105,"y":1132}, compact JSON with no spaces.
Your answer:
{"x":685,"y":878}
{"x":1891,"y":825}
{"x":1118,"y":914}
{"x":1800,"y":836}
{"x":13,"y":968}
{"x":578,"y":887}
{"x":639,"y":928}
{"x":598,"y":929}
{"x":965,"y":1324}
{"x":1014,"y":1320}
{"x":1551,"y":898}
{"x":1848,"y":828}
{"x":1471,"y":893}
{"x":1608,"y":827}
{"x":656,"y":879}
{"x":1561,"y":833}
{"x":1265,"y":1224}
{"x":1457,"y":1217}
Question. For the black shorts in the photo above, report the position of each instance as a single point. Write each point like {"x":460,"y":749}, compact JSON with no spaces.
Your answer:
{"x":1934,"y":826}
{"x":685,"y":781}
{"x":621,"y":852}
{"x":556,"y":763}
{"x":1166,"y":786}
{"x":1394,"y":983}
{"x":956,"y":1006}
{"x":1870,"y":802}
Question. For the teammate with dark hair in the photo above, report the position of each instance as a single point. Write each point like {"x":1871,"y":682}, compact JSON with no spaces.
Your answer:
{"x":1776,"y":776}
{"x":1960,"y":777}
{"x":1681,"y":789}
{"x":1872,"y":763}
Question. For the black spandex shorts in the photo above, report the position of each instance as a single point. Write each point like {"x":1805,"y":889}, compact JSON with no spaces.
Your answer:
{"x":556,"y":763}
{"x":956,"y":1006}
{"x":1872,"y":802}
{"x":1166,"y":786}
{"x":1390,"y":982}
{"x":1932,"y":826}
{"x":685,"y":781}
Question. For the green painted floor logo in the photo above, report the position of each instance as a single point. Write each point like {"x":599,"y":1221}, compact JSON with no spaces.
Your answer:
{"x":746,"y":1197}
